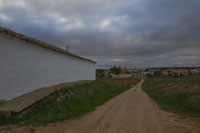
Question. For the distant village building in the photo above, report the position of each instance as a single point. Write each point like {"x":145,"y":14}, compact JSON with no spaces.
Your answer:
{"x":165,"y":72}
{"x":106,"y":72}
{"x":120,"y":76}
{"x":27,"y":64}
{"x":137,"y":75}
{"x":172,"y":72}
{"x":111,"y":75}
{"x":178,"y":72}
{"x":195,"y":72}
{"x":148,"y":74}
{"x":124,"y":70}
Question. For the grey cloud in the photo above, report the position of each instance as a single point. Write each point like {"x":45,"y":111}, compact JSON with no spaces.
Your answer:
{"x":140,"y":33}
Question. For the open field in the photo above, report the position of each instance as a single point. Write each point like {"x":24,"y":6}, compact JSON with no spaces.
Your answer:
{"x":180,"y":95}
{"x":67,"y":103}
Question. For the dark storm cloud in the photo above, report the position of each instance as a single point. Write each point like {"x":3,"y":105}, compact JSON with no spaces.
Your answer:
{"x":139,"y":33}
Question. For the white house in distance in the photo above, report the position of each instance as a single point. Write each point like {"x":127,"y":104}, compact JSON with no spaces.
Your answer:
{"x":27,"y":64}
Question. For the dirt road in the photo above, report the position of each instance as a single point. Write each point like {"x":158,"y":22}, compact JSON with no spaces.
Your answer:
{"x":130,"y":112}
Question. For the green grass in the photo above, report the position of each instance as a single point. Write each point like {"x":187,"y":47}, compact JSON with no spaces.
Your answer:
{"x":175,"y":94}
{"x":32,"y":130}
{"x":67,"y":103}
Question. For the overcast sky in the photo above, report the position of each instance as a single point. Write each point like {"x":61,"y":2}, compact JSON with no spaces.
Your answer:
{"x":132,"y":33}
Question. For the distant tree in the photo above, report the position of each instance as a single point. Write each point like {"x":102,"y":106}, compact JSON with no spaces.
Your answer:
{"x":115,"y":70}
{"x":110,"y":76}
{"x":100,"y":73}
{"x":190,"y":72}
{"x":157,"y":73}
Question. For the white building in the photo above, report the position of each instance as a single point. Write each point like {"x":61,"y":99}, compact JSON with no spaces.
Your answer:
{"x":27,"y":64}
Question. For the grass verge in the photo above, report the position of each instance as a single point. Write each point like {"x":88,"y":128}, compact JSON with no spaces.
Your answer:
{"x":180,"y":95}
{"x":67,"y":103}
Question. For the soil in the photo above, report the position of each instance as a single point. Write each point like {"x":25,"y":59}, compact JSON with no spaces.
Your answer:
{"x":131,"y":112}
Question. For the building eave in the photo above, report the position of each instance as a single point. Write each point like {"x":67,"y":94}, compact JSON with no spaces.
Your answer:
{"x":40,"y":43}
